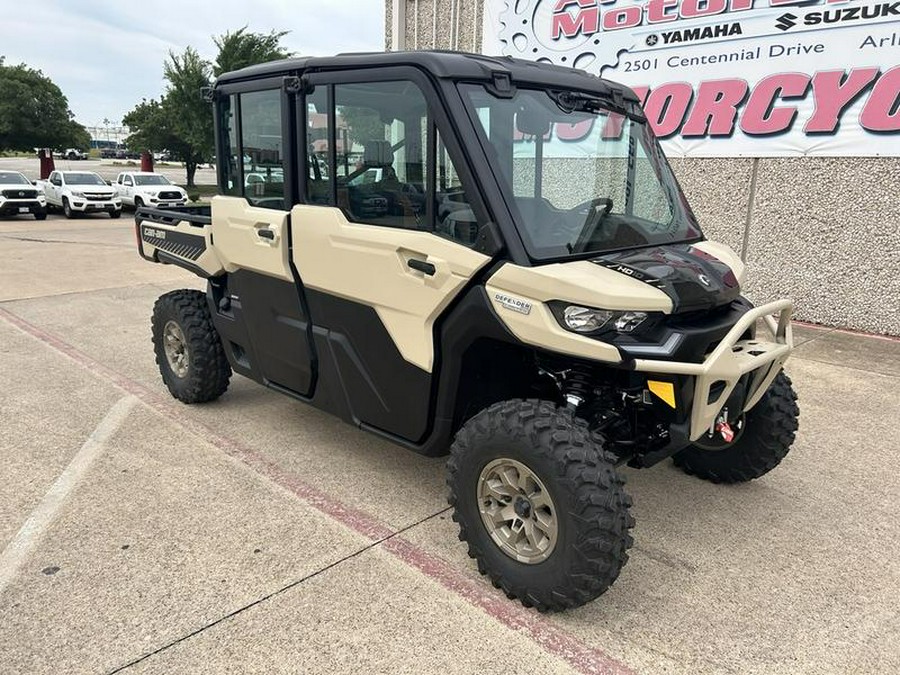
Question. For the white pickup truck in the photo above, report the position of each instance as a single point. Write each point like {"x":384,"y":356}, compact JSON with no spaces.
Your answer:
{"x":18,"y":196}
{"x":140,"y":188}
{"x":80,"y":192}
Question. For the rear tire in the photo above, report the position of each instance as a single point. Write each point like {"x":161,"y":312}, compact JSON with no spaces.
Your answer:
{"x":188,"y":349}
{"x":769,"y":430}
{"x":570,"y":485}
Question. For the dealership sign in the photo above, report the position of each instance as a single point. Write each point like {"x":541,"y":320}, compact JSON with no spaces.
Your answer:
{"x":730,"y":77}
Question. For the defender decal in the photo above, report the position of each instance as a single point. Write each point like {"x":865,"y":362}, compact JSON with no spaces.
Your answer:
{"x":515,"y":304}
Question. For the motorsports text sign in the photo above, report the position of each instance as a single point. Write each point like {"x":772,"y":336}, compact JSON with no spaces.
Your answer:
{"x":730,"y":77}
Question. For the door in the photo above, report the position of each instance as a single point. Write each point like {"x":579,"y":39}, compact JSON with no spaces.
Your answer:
{"x":266,"y":326}
{"x":377,"y":248}
{"x":52,"y":188}
{"x":127,"y":187}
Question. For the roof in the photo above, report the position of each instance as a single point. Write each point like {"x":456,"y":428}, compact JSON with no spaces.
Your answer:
{"x":440,"y":64}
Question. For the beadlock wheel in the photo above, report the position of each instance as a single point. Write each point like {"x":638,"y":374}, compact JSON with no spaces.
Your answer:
{"x":176,"y":349}
{"x":517,"y":511}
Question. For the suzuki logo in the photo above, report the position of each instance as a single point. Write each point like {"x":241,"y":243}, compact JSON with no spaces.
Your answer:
{"x":786,"y":21}
{"x":703,"y":279}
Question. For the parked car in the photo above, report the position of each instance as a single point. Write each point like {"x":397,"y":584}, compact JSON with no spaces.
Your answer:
{"x":75,"y":154}
{"x":80,"y":192}
{"x":18,"y":196}
{"x":140,"y":188}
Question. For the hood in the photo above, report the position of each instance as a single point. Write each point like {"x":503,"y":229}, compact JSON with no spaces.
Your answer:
{"x":692,"y":278}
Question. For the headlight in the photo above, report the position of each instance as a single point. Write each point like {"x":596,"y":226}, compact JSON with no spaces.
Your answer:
{"x":628,"y":321}
{"x":580,"y":319}
{"x":585,"y":319}
{"x":77,"y":193}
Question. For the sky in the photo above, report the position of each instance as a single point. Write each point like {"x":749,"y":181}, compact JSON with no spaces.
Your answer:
{"x":108,"y":56}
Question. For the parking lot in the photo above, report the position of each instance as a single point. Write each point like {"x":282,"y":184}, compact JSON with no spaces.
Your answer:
{"x":106,"y":168}
{"x":255,"y":534}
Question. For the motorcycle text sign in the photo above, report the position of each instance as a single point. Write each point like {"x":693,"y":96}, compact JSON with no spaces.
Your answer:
{"x":720,"y":78}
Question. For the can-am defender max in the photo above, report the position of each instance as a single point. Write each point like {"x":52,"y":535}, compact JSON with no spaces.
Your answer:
{"x":486,"y":256}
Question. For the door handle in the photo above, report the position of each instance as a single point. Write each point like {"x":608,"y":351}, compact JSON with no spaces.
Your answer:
{"x":265,"y":233}
{"x":421,"y":266}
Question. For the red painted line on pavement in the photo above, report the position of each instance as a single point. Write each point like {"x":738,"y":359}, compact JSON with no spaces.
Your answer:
{"x":848,"y":331}
{"x":580,"y":656}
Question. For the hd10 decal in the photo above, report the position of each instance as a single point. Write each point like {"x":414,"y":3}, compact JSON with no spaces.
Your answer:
{"x":724,"y":78}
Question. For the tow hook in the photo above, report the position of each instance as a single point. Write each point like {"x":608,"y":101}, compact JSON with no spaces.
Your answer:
{"x":722,"y":427}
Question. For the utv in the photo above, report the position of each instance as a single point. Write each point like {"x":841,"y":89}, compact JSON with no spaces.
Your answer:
{"x":520,"y":282}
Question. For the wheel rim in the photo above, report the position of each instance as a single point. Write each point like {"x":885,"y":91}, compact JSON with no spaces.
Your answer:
{"x":176,"y":350}
{"x":712,"y":441}
{"x":517,"y":511}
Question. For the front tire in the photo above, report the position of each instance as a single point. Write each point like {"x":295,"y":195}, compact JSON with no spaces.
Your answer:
{"x":40,"y":216}
{"x":188,"y":349}
{"x":115,"y":214}
{"x":769,"y":429}
{"x":67,"y":210}
{"x":540,"y":504}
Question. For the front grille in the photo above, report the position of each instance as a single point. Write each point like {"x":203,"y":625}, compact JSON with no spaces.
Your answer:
{"x":95,"y":197}
{"x":20,"y":194}
{"x":170,"y":195}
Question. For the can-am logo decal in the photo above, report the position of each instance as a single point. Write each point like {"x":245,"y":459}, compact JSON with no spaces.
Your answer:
{"x":515,"y":304}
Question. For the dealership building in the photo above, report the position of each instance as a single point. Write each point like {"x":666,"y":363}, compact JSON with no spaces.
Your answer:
{"x":781,"y":121}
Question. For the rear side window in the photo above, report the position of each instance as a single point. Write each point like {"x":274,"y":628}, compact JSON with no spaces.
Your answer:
{"x":253,"y":146}
{"x":263,"y":149}
{"x":231,"y":173}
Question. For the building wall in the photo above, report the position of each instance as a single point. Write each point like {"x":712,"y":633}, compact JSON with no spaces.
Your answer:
{"x":824,"y":231}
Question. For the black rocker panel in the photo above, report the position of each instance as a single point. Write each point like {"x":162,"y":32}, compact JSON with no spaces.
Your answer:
{"x":277,"y":328}
{"x":381,"y":389}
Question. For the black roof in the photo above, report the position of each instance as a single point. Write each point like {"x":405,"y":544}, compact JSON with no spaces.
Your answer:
{"x":440,"y":64}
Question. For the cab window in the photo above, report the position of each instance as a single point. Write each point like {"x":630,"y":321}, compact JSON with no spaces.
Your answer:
{"x":381,"y":172}
{"x":262,"y":148}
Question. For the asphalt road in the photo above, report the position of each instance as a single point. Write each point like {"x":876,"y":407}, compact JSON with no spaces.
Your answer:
{"x":107,"y":168}
{"x":255,"y":534}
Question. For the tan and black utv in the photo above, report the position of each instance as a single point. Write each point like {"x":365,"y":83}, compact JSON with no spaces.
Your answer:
{"x":486,"y":257}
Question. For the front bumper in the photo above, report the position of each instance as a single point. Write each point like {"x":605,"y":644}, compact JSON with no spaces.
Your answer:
{"x":13,"y":207}
{"x":90,"y":206}
{"x":730,"y":361}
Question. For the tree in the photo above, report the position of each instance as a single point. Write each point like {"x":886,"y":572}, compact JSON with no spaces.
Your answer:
{"x":182,"y":120}
{"x":34,"y":113}
{"x":239,"y":49}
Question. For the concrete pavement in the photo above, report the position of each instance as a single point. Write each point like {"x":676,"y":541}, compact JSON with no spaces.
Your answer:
{"x":255,"y":534}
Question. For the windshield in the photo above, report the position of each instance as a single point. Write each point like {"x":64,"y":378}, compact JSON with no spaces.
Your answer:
{"x":577,"y":177}
{"x":12,"y":178}
{"x":151,"y":180}
{"x":84,"y":179}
